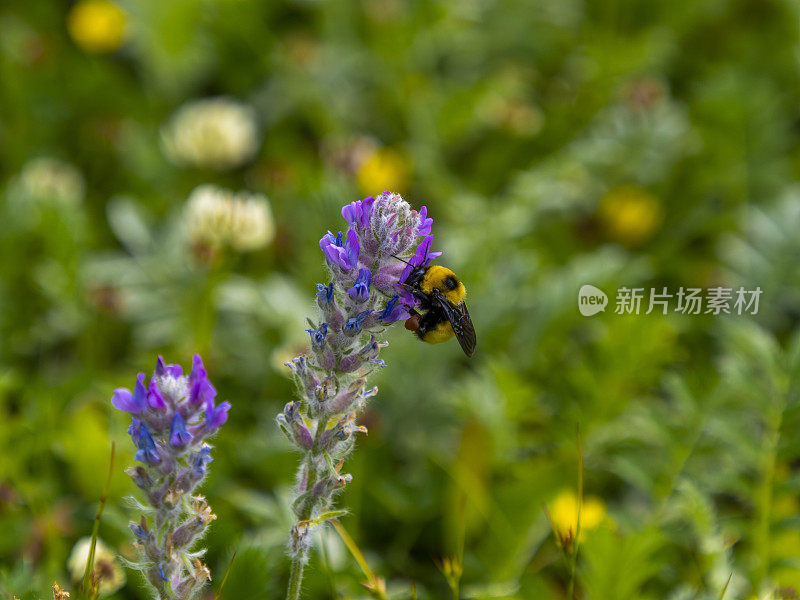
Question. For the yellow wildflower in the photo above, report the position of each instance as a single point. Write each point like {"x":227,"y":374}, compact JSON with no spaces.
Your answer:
{"x":97,"y":26}
{"x":564,"y":516}
{"x":630,"y":214}
{"x":384,"y":169}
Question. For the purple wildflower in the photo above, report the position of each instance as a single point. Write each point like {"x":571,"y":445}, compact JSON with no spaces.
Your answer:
{"x":353,"y":310}
{"x":425,"y":222}
{"x":133,"y":403}
{"x":216,"y":415}
{"x":162,"y":369}
{"x":422,"y":256}
{"x":342,"y":254}
{"x":200,"y":388}
{"x":360,"y":289}
{"x":178,"y":436}
{"x":318,"y":336}
{"x":146,"y":452}
{"x":358,"y":213}
{"x":154,"y":397}
{"x":324,"y":295}
{"x":200,"y":460}
{"x":173,"y":416}
{"x":139,"y":531}
{"x":353,"y":325}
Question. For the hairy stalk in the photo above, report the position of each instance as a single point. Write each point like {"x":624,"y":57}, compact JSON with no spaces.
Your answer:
{"x":362,"y":299}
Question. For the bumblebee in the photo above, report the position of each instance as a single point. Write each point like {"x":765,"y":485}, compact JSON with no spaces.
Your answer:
{"x":444,"y":313}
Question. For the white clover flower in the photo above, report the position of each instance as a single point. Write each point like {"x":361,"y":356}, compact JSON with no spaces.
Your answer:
{"x":215,"y":133}
{"x":112,"y":576}
{"x":49,"y":180}
{"x":218,"y":217}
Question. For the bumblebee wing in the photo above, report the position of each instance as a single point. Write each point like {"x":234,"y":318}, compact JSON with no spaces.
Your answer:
{"x":461,"y":322}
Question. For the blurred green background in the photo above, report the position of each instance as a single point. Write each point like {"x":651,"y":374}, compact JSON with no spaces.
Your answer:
{"x":612,"y":142}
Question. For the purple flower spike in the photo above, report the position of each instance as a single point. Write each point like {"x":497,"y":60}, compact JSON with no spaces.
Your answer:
{"x":366,"y":268}
{"x":360,"y":290}
{"x":216,"y":415}
{"x":173,"y":416}
{"x":178,"y":436}
{"x":425,"y":222}
{"x":200,"y":388}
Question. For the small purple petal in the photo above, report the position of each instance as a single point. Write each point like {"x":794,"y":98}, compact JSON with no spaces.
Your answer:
{"x":324,"y":294}
{"x":318,"y":335}
{"x":352,"y":248}
{"x":139,"y":531}
{"x":154,"y":397}
{"x":353,"y":325}
{"x":422,"y":256}
{"x":216,"y":415}
{"x":146,"y":452}
{"x":387,"y":276}
{"x":393,"y":312}
{"x":174,"y":371}
{"x":344,"y":255}
{"x":200,"y":389}
{"x":178,"y":436}
{"x":329,"y":248}
{"x":358,"y":213}
{"x":124,"y":400}
{"x":200,"y":460}
{"x":424,"y":227}
{"x":139,"y":391}
{"x":360,"y":289}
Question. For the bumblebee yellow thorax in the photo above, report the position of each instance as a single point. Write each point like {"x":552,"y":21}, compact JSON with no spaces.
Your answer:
{"x":443,"y":279}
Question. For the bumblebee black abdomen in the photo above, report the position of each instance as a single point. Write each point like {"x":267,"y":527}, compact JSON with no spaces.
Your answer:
{"x":434,"y":327}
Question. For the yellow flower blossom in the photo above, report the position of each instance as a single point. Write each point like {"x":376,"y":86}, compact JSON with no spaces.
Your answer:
{"x":563,"y":513}
{"x":384,"y":169}
{"x":97,"y":26}
{"x":630,"y":214}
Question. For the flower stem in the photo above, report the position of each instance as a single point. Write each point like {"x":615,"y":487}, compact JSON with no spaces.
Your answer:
{"x":86,"y":585}
{"x":295,"y":578}
{"x":299,"y":561}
